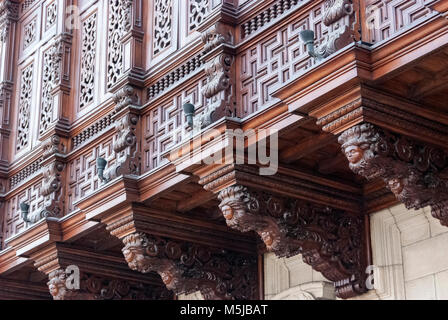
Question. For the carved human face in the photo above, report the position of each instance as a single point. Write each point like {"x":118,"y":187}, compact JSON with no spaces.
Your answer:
{"x":54,"y":290}
{"x":227,"y":212}
{"x":132,"y":254}
{"x":354,"y":154}
{"x":167,"y":278}
{"x":396,"y":185}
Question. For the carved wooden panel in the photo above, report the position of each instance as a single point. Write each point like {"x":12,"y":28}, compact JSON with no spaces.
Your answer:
{"x":164,"y":125}
{"x":24,"y":107}
{"x":51,"y":71}
{"x":118,"y":25}
{"x":274,"y":60}
{"x":51,"y":15}
{"x":82,"y":176}
{"x":88,"y":61}
{"x":388,"y":17}
{"x":14,"y":223}
{"x":163,"y":25}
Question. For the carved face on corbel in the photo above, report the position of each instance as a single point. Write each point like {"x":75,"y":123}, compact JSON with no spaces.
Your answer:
{"x":134,"y":253}
{"x":56,"y":285}
{"x":396,"y":186}
{"x":227,"y":212}
{"x":167,"y":278}
{"x":354,"y":154}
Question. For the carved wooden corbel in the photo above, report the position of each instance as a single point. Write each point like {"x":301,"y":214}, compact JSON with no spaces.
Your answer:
{"x":92,"y":287}
{"x":415,"y":172}
{"x":186,"y":268}
{"x":330,"y":240}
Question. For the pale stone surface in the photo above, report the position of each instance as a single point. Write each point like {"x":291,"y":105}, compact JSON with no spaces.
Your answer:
{"x":293,"y":279}
{"x":192,"y":296}
{"x":421,"y":289}
{"x":308,"y":291}
{"x":426,"y":257}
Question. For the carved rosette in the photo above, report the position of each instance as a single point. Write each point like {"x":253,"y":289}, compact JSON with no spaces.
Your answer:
{"x":9,"y":13}
{"x":339,"y":17}
{"x":331,"y":241}
{"x":417,"y":174}
{"x":186,"y":268}
{"x":100,"y":288}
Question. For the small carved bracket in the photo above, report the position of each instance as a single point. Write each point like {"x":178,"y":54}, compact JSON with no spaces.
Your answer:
{"x":219,"y":89}
{"x":186,"y":268}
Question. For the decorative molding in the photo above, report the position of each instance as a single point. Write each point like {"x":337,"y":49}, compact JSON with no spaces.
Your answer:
{"x":175,"y":76}
{"x":331,"y":241}
{"x":416,"y":173}
{"x":25,"y":173}
{"x":186,"y":268}
{"x":96,"y":128}
{"x":276,"y":10}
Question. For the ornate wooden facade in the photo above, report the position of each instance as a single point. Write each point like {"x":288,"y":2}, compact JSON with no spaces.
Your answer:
{"x":96,"y":140}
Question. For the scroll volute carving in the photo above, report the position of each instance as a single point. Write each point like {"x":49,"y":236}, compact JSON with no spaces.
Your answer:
{"x":416,"y":173}
{"x":185,"y":267}
{"x":125,"y":145}
{"x":331,"y":241}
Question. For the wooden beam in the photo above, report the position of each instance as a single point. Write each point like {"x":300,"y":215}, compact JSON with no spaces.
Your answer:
{"x":306,"y":147}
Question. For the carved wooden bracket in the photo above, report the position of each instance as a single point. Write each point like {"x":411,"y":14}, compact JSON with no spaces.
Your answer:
{"x":330,"y":240}
{"x":93,"y":287}
{"x":415,"y":172}
{"x":79,"y":274}
{"x":186,"y":267}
